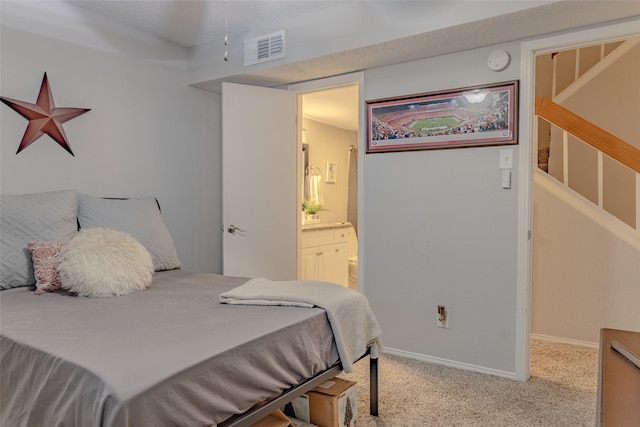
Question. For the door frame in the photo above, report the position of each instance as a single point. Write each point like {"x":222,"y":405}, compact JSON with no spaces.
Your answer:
{"x":527,"y":127}
{"x":356,"y":78}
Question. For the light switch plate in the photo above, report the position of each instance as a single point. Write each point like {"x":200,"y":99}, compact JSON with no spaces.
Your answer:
{"x":506,"y":158}
{"x":506,"y":179}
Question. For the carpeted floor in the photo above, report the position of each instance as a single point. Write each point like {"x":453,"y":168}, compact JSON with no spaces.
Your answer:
{"x":561,"y":392}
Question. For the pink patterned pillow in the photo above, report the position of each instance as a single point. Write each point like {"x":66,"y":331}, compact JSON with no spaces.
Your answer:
{"x":44,"y":256}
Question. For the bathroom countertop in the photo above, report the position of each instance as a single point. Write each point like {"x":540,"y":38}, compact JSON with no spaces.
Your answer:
{"x":327,"y":226}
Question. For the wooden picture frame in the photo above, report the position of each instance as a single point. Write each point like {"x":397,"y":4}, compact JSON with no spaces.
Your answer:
{"x":473,"y":116}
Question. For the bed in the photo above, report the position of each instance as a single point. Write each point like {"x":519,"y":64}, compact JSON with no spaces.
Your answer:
{"x":169,"y":355}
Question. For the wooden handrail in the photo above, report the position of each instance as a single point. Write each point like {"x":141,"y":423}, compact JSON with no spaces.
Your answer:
{"x":586,"y":131}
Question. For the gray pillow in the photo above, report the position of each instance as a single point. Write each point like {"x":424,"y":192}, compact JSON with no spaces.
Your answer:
{"x":25,"y":217}
{"x":141,"y":218}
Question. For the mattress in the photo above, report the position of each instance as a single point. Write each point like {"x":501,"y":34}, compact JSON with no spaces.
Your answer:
{"x":170,"y":355}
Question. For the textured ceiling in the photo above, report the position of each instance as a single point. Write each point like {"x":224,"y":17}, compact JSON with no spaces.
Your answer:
{"x":194,"y":22}
{"x":197,"y":22}
{"x":191,"y":23}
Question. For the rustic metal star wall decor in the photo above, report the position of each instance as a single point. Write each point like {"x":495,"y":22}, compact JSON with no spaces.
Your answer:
{"x":44,"y":117}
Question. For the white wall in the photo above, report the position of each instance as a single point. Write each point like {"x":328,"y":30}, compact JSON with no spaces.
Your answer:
{"x":439,"y":229}
{"x":596,"y":284}
{"x":147,"y":134}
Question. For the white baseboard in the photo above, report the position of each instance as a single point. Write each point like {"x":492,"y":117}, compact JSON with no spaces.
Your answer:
{"x":548,"y":338}
{"x":483,"y":369}
{"x":450,"y":363}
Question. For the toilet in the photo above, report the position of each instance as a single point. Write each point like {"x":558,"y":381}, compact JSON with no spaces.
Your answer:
{"x":353,"y":258}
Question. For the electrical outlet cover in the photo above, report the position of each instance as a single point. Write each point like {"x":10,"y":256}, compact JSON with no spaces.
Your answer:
{"x":444,"y":323}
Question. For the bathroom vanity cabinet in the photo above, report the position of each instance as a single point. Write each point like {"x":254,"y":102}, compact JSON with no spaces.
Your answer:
{"x":325,"y":254}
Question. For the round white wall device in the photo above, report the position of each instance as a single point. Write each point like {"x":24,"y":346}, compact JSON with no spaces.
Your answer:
{"x":498,"y":60}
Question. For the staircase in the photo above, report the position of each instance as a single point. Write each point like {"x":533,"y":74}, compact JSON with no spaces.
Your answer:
{"x":570,"y":133}
{"x":585,"y":250}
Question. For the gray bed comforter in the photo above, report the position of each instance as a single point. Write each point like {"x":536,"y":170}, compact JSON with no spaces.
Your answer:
{"x":171,"y":355}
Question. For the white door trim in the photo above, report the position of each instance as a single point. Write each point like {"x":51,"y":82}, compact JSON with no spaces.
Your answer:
{"x":328,"y":83}
{"x":527,"y":94}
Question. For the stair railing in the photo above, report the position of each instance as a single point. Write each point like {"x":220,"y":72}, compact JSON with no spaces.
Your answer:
{"x":604,"y":142}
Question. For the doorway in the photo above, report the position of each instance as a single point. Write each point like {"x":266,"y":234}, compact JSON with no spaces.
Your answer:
{"x":528,"y":90}
{"x":329,"y":124}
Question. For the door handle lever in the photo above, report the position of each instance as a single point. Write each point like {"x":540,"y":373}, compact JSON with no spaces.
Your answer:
{"x":231,"y":229}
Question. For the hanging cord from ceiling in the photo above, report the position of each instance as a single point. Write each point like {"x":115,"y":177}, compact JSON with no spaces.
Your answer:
{"x":226,"y":30}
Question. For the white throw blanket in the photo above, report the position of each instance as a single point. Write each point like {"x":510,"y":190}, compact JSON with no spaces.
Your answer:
{"x":352,"y":321}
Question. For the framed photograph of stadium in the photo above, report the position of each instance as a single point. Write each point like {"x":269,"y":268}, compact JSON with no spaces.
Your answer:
{"x":466,"y":117}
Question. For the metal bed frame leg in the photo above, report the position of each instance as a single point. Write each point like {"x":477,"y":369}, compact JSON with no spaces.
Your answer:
{"x":373,"y":386}
{"x":258,"y":412}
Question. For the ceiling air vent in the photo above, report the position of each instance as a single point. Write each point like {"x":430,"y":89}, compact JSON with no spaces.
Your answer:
{"x":264,"y":48}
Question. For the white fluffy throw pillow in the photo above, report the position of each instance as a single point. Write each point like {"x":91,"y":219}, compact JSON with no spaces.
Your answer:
{"x":100,"y":262}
